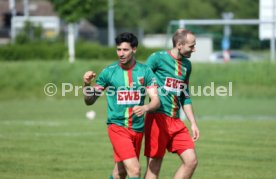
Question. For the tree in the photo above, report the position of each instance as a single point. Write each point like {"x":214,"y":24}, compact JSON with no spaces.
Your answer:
{"x":72,"y":11}
{"x":153,"y":16}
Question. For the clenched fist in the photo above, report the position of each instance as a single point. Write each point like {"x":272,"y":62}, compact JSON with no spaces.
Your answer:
{"x":140,"y":110}
{"x":88,"y":77}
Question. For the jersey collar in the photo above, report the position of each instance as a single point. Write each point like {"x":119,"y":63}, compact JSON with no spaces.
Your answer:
{"x":130,"y":68}
{"x":170,"y":53}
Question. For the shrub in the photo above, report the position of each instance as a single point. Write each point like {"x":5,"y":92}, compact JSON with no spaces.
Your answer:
{"x":59,"y":51}
{"x":43,"y":51}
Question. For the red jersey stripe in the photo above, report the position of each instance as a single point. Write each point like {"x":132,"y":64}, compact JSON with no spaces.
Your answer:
{"x":130,"y":110}
{"x":179,"y":65}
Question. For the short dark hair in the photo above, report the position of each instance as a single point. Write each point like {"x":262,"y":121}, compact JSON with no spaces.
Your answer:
{"x":127,"y":37}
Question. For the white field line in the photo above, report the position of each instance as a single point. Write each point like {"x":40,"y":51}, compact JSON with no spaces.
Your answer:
{"x":65,"y":134}
{"x":238,"y":117}
{"x":52,"y":134}
{"x":48,"y":123}
{"x":33,"y":123}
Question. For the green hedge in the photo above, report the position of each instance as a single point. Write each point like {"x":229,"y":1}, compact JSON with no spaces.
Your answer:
{"x":59,"y":51}
{"x":32,"y":51}
{"x":27,"y":78}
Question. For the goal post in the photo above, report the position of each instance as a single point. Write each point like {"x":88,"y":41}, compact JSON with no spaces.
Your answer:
{"x":183,"y":23}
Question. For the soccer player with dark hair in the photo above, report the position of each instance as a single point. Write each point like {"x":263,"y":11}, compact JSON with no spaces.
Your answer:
{"x":126,"y":82}
{"x":163,"y":128}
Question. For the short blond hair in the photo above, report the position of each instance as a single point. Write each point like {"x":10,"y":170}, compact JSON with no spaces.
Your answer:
{"x":180,"y":36}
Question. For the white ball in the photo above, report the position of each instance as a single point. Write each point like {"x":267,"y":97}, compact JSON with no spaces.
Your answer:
{"x":91,"y":115}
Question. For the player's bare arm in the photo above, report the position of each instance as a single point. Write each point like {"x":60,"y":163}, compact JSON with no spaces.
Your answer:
{"x":152,"y":106}
{"x":88,"y":77}
{"x":190,"y":116}
{"x":90,"y":95}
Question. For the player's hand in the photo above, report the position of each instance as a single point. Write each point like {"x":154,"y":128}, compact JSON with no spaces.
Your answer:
{"x":88,"y":77}
{"x":195,"y":131}
{"x":139,"y":110}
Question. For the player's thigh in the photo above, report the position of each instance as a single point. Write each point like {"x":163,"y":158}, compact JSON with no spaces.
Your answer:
{"x":156,"y":135}
{"x":137,"y":142}
{"x":121,"y":140}
{"x":181,"y":140}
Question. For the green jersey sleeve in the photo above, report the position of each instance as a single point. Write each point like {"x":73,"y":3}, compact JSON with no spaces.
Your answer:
{"x":152,"y":61}
{"x":102,"y":80}
{"x":185,"y":97}
{"x":150,"y":78}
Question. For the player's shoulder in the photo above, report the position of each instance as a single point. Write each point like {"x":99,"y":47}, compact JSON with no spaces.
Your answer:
{"x":142,"y":66}
{"x":187,"y":61}
{"x":139,"y":64}
{"x":159,"y":53}
{"x":111,"y":66}
{"x":157,"y":57}
{"x":187,"y":64}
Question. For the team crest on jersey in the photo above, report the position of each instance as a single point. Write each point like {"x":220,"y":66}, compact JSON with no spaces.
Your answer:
{"x":174,"y":85}
{"x":128,"y":97}
{"x":141,"y":80}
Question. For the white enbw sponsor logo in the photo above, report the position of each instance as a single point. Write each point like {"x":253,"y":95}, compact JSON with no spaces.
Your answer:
{"x":128,"y":97}
{"x":174,"y":85}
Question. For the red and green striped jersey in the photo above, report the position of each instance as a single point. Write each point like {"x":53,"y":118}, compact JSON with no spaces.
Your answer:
{"x":125,"y":88}
{"x":173,"y":81}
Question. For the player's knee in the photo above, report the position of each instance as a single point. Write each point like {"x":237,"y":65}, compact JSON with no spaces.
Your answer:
{"x":120,"y":173}
{"x":192,"y":163}
{"x":135,"y":171}
{"x":189,"y":159}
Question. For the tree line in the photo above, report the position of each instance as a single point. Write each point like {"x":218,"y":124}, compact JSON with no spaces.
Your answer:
{"x":153,"y":16}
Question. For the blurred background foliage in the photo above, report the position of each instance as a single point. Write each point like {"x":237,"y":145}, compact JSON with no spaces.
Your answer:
{"x":153,"y":17}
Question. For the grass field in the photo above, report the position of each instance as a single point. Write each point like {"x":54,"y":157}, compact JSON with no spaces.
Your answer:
{"x":249,"y":79}
{"x":51,"y":138}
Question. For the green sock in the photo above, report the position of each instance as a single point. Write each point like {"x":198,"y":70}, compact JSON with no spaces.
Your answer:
{"x":111,"y":177}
